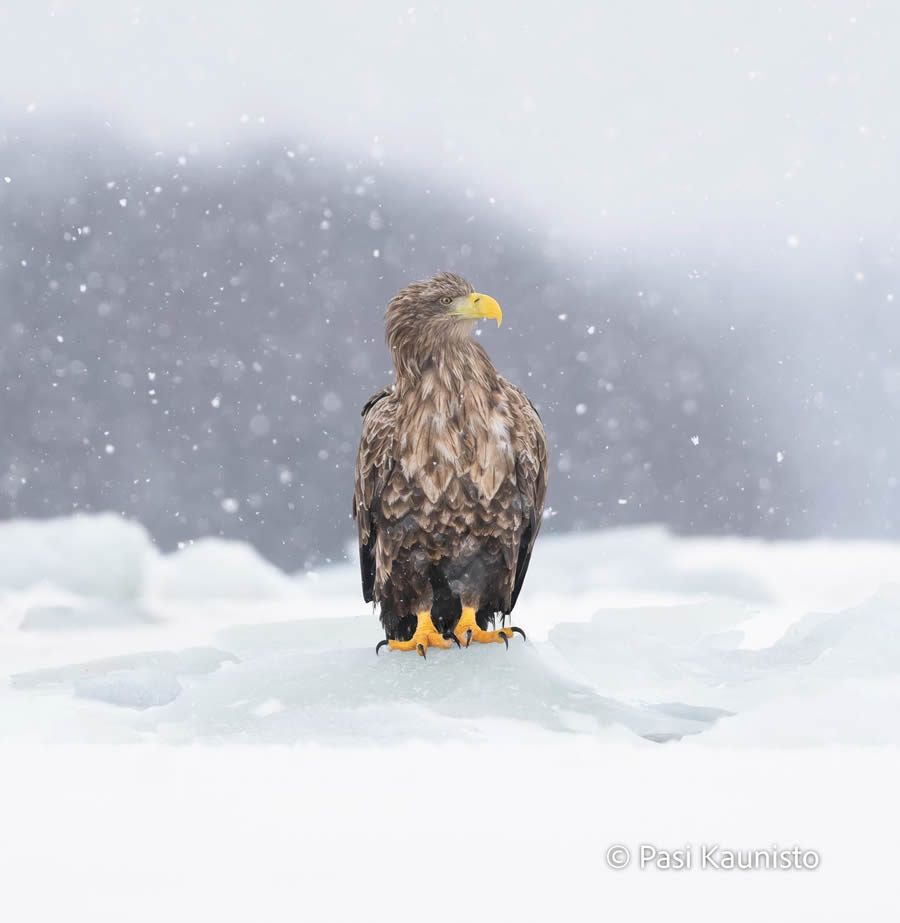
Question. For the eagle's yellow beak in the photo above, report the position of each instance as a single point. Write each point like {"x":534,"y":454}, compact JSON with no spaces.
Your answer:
{"x":477,"y":305}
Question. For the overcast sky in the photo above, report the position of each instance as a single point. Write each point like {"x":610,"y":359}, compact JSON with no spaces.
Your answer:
{"x":780,"y":120}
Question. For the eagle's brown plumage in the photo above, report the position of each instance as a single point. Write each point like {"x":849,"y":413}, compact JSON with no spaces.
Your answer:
{"x":451,"y":472}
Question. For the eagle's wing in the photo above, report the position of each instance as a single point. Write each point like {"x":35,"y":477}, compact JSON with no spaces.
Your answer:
{"x":374,"y":462}
{"x":530,"y":445}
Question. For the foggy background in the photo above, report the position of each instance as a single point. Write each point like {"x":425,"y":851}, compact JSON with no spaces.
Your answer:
{"x":689,"y":213}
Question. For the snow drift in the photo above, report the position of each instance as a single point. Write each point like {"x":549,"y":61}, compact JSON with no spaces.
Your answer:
{"x":631,"y":632}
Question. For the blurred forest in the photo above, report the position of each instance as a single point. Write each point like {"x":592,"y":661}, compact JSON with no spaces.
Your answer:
{"x":188,"y":339}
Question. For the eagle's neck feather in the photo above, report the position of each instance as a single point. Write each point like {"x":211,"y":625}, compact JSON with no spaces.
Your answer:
{"x":449,"y":365}
{"x":452,"y":422}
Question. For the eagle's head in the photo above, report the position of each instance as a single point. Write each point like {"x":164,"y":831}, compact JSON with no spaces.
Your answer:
{"x":430,"y":311}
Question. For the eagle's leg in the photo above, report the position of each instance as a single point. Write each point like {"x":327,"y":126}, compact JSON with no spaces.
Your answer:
{"x":425,"y":636}
{"x":467,"y":630}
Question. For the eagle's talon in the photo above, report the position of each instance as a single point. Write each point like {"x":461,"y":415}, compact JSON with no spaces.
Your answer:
{"x":467,"y":627}
{"x":380,"y":645}
{"x":449,"y":636}
{"x":425,"y":636}
{"x":519,"y":631}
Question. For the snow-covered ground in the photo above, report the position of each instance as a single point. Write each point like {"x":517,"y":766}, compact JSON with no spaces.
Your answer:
{"x":672,"y":692}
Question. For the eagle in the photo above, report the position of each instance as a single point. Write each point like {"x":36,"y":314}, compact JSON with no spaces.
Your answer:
{"x":451,"y":476}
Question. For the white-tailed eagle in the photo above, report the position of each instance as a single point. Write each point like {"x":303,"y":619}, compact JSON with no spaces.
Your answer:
{"x":450,"y":477}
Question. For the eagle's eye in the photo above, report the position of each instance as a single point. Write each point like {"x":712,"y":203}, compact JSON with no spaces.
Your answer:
{"x":446,"y":300}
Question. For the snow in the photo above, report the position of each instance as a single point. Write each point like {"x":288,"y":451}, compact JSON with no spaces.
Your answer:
{"x":96,"y":556}
{"x":503,"y":830}
{"x":85,"y":614}
{"x":205,"y":711}
{"x":105,"y":557}
{"x":215,"y":568}
{"x":631,"y":631}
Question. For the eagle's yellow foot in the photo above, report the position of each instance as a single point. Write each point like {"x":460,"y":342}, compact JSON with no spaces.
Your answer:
{"x":425,"y":636}
{"x":467,"y":630}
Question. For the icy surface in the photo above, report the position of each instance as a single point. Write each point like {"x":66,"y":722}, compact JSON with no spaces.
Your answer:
{"x":346,"y":694}
{"x":671,"y":691}
{"x":846,"y":664}
{"x":187,"y":662}
{"x":138,"y":688}
{"x":631,"y":633}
